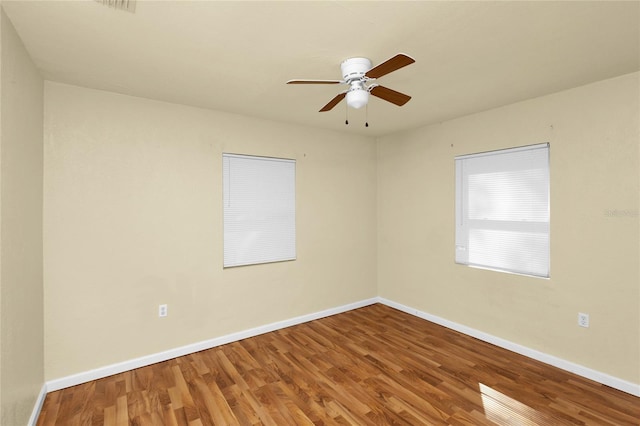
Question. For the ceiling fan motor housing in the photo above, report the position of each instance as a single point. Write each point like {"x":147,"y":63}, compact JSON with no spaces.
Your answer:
{"x":354,"y":68}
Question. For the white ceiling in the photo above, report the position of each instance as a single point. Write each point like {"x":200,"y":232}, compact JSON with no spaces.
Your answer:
{"x":236,"y":56}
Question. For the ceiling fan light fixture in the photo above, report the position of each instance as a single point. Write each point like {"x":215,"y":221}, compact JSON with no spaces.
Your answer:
{"x":357,"y":98}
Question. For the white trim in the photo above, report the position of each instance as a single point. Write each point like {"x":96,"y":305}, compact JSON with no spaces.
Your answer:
{"x":109,"y":370}
{"x":258,"y":157}
{"x":98,"y":373}
{"x":580,"y":370}
{"x":38,"y":406}
{"x":497,"y":151}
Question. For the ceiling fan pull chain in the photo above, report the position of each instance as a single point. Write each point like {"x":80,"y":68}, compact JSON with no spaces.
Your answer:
{"x":366,"y":117}
{"x":346,"y":115}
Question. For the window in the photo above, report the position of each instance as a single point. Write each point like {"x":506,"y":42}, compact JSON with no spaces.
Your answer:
{"x":259,"y":209}
{"x":502,"y":210}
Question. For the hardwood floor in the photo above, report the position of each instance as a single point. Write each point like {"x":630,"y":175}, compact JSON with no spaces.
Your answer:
{"x":370,"y":366}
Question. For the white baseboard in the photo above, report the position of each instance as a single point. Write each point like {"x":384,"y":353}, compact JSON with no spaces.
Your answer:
{"x":38,"y":406}
{"x":605,"y":379}
{"x":597,"y":376}
{"x":98,"y":373}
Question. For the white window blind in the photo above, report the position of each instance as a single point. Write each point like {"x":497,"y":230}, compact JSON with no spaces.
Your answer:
{"x":502,"y":210}
{"x":259,"y":209}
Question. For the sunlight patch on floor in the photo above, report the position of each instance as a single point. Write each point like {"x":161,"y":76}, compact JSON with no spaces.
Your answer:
{"x":506,"y":411}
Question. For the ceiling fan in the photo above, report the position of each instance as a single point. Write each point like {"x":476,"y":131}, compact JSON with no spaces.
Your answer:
{"x":358,"y":74}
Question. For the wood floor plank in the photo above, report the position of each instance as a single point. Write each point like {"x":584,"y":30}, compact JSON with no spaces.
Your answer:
{"x":369,"y":366}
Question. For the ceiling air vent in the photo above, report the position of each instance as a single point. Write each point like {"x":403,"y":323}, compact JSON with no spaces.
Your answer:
{"x":128,"y":5}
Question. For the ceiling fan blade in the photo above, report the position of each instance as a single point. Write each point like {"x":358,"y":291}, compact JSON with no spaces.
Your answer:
{"x":333,"y":102}
{"x":315,"y":81}
{"x":389,"y":95}
{"x":390,"y":65}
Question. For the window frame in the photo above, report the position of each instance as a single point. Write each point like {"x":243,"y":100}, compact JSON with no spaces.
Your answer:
{"x":259,"y":209}
{"x":506,"y":233}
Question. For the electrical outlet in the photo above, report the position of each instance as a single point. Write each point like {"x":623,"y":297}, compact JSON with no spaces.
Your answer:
{"x":583,"y":319}
{"x":162,"y":311}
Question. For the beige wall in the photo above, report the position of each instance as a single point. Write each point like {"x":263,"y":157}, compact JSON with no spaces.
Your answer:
{"x":21,"y":305}
{"x":133,"y":218}
{"x":594,"y":136}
